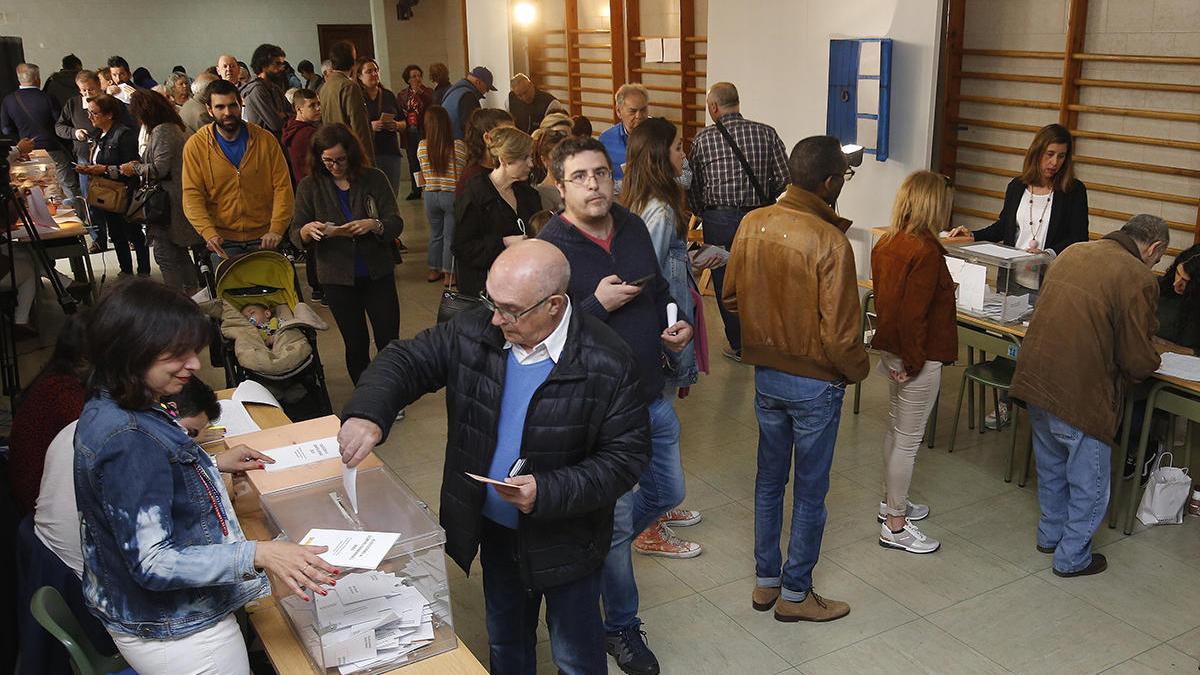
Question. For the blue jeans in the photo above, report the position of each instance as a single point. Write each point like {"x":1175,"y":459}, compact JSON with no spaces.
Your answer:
{"x":439,"y":210}
{"x":572,"y":613}
{"x":1073,"y":483}
{"x":392,"y":166}
{"x":659,"y":490}
{"x":720,"y":227}
{"x":795,"y":415}
{"x":233,"y":249}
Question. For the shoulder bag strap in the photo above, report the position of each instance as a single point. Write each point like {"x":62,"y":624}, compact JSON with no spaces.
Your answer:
{"x":758,"y":190}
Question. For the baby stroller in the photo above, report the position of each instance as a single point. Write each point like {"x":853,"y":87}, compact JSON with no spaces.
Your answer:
{"x":291,"y":367}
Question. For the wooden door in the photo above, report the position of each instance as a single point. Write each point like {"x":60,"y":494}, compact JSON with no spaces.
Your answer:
{"x":357,"y":33}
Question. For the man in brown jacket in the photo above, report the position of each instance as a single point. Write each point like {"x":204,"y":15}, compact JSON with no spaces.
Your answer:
{"x":342,"y":100}
{"x":1091,"y":335}
{"x":791,"y":281}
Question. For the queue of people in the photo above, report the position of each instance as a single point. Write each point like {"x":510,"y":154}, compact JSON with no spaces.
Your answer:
{"x":582,"y":334}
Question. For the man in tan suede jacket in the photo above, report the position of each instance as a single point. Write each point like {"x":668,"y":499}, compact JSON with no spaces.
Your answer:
{"x":792,"y":283}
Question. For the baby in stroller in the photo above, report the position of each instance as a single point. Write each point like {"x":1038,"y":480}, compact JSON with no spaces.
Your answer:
{"x":262,"y":318}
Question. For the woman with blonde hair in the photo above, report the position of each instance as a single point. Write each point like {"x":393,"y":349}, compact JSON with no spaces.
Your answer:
{"x":916,"y":335}
{"x":491,"y":213}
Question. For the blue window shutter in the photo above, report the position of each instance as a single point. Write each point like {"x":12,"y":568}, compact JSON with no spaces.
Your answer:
{"x":841,"y":114}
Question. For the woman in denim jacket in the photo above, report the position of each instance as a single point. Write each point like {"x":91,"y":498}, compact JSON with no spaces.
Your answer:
{"x":165,"y":562}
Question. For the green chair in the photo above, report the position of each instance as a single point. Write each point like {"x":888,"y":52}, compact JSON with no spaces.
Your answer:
{"x":52,"y":613}
{"x":996,"y":373}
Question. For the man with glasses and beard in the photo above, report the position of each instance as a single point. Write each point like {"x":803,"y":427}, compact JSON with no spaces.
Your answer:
{"x":543,"y":405}
{"x":237,"y":191}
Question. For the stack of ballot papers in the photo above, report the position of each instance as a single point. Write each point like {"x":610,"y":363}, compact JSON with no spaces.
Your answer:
{"x":1005,"y":308}
{"x":369,"y":619}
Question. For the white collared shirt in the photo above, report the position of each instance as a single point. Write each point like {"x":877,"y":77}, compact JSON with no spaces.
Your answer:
{"x":550,"y":348}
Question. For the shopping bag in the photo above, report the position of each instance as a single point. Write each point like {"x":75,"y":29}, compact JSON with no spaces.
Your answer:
{"x":1166,"y":494}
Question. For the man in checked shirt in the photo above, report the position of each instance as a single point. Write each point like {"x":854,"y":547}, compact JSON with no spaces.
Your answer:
{"x":722,"y":193}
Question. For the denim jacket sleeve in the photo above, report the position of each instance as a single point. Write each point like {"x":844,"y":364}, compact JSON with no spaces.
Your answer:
{"x":135,"y":479}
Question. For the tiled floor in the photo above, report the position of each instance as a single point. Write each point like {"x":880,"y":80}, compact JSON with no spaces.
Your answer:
{"x":985,"y":603}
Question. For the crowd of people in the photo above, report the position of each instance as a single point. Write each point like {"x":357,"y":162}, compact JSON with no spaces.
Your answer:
{"x":580,"y":325}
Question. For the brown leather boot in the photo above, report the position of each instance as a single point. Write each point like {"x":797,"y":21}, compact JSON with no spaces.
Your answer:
{"x":764,"y":598}
{"x":814,"y":608}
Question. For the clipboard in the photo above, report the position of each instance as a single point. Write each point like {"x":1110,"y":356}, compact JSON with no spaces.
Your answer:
{"x":309,"y":430}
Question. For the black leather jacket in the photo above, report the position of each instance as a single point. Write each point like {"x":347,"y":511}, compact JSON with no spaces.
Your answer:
{"x":586,"y":438}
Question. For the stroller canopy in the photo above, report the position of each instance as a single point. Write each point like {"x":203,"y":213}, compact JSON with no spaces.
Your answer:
{"x":262,"y":278}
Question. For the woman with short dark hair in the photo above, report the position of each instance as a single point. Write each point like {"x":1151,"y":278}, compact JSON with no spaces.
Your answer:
{"x":347,"y":211}
{"x":413,"y":101}
{"x":162,"y":162}
{"x":165,"y":562}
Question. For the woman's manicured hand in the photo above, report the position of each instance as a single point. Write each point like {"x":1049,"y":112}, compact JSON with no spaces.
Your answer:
{"x":297,"y":566}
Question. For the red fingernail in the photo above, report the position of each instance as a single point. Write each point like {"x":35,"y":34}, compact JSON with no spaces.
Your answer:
{"x":262,"y":466}
{"x":332,"y":582}
{"x":337,"y":571}
{"x":305,"y":598}
{"x":324,"y":593}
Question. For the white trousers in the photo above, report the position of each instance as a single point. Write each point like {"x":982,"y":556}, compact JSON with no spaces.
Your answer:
{"x":216,"y":650}
{"x":911,"y":404}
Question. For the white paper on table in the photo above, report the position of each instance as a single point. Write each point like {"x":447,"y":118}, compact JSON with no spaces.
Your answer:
{"x":1180,"y":365}
{"x":351,"y":548}
{"x":254,"y":392}
{"x":972,"y":283}
{"x":996,"y":251}
{"x":38,"y":211}
{"x":654,"y":50}
{"x":350,"y":483}
{"x":671,"y":50}
{"x":235,"y":419}
{"x":290,"y":456}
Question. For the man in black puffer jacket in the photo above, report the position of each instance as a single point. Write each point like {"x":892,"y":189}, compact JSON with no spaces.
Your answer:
{"x":529,"y":380}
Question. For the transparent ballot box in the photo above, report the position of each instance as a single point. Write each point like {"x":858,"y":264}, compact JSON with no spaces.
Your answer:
{"x":996,"y":282}
{"x":373,"y":620}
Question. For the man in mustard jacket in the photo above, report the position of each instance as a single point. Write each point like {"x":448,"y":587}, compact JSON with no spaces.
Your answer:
{"x":237,"y":192}
{"x":791,"y":281}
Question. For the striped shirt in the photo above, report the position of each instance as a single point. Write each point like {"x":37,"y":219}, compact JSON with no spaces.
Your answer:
{"x":718,"y":177}
{"x":442,"y":182}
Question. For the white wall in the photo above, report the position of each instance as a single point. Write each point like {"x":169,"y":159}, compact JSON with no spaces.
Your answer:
{"x":489,"y":41}
{"x":777,"y":53}
{"x":433,"y":35}
{"x":160,"y":34}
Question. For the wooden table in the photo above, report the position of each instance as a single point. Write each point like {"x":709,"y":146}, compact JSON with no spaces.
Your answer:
{"x":286,"y":653}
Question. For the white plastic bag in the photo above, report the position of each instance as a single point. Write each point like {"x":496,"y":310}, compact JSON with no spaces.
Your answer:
{"x":1166,"y":494}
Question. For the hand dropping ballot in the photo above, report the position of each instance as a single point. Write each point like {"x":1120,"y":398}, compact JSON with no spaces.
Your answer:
{"x":351,"y":548}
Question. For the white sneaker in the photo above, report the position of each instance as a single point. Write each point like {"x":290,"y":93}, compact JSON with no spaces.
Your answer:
{"x":909,"y":539}
{"x":994,"y":421}
{"x":913,"y":512}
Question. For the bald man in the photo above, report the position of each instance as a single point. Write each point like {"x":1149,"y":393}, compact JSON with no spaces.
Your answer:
{"x":543,"y":404}
{"x":228,"y":68}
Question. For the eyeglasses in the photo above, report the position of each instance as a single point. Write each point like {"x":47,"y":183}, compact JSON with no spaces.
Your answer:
{"x":331,"y":161}
{"x":506,"y":315}
{"x":581,"y":178}
{"x":848,"y":174}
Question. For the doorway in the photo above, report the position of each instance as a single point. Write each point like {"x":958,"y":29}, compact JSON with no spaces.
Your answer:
{"x":359,"y":34}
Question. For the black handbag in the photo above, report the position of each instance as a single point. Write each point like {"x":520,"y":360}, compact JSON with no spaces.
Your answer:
{"x":454,"y":302}
{"x":149,"y":204}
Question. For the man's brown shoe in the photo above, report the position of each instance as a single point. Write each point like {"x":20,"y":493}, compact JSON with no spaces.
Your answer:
{"x":764,"y":598}
{"x":813,"y":608}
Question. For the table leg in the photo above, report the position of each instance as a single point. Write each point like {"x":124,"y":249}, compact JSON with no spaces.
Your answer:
{"x":1143,"y":441}
{"x":970,"y":392}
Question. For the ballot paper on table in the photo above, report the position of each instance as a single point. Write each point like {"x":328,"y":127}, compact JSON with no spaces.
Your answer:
{"x":996,"y":251}
{"x":290,"y":456}
{"x":1180,"y":366}
{"x":235,"y":419}
{"x":351,"y":548}
{"x":254,"y":392}
{"x":971,"y":280}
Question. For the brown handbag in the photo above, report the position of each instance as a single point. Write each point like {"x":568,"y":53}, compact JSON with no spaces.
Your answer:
{"x":108,"y":195}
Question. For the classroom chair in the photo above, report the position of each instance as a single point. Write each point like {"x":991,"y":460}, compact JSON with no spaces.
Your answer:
{"x":996,"y":373}
{"x":52,"y":613}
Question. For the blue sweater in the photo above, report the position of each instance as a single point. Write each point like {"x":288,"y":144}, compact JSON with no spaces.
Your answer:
{"x":641,"y":321}
{"x":37,"y":123}
{"x":520,"y":384}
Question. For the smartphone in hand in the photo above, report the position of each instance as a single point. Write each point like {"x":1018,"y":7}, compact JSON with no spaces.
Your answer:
{"x":642,"y":281}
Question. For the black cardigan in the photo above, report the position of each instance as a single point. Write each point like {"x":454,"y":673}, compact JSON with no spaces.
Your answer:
{"x":1068,"y":218}
{"x":482,"y":219}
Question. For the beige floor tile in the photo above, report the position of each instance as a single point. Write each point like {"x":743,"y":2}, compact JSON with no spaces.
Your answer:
{"x":946,"y":483}
{"x":871,"y":613}
{"x":926,"y":583}
{"x":691,"y":635}
{"x":1181,"y":542}
{"x":727,"y":534}
{"x":656,"y":585}
{"x":1031,"y":626}
{"x":1162,"y":660}
{"x":1188,"y":643}
{"x":700,"y":496}
{"x":729,"y":465}
{"x":1143,"y":587}
{"x":916,"y":647}
{"x":1006,"y":525}
{"x":850,"y":508}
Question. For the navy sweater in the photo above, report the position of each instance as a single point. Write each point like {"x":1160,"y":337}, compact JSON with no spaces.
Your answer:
{"x":641,"y":321}
{"x":37,"y":123}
